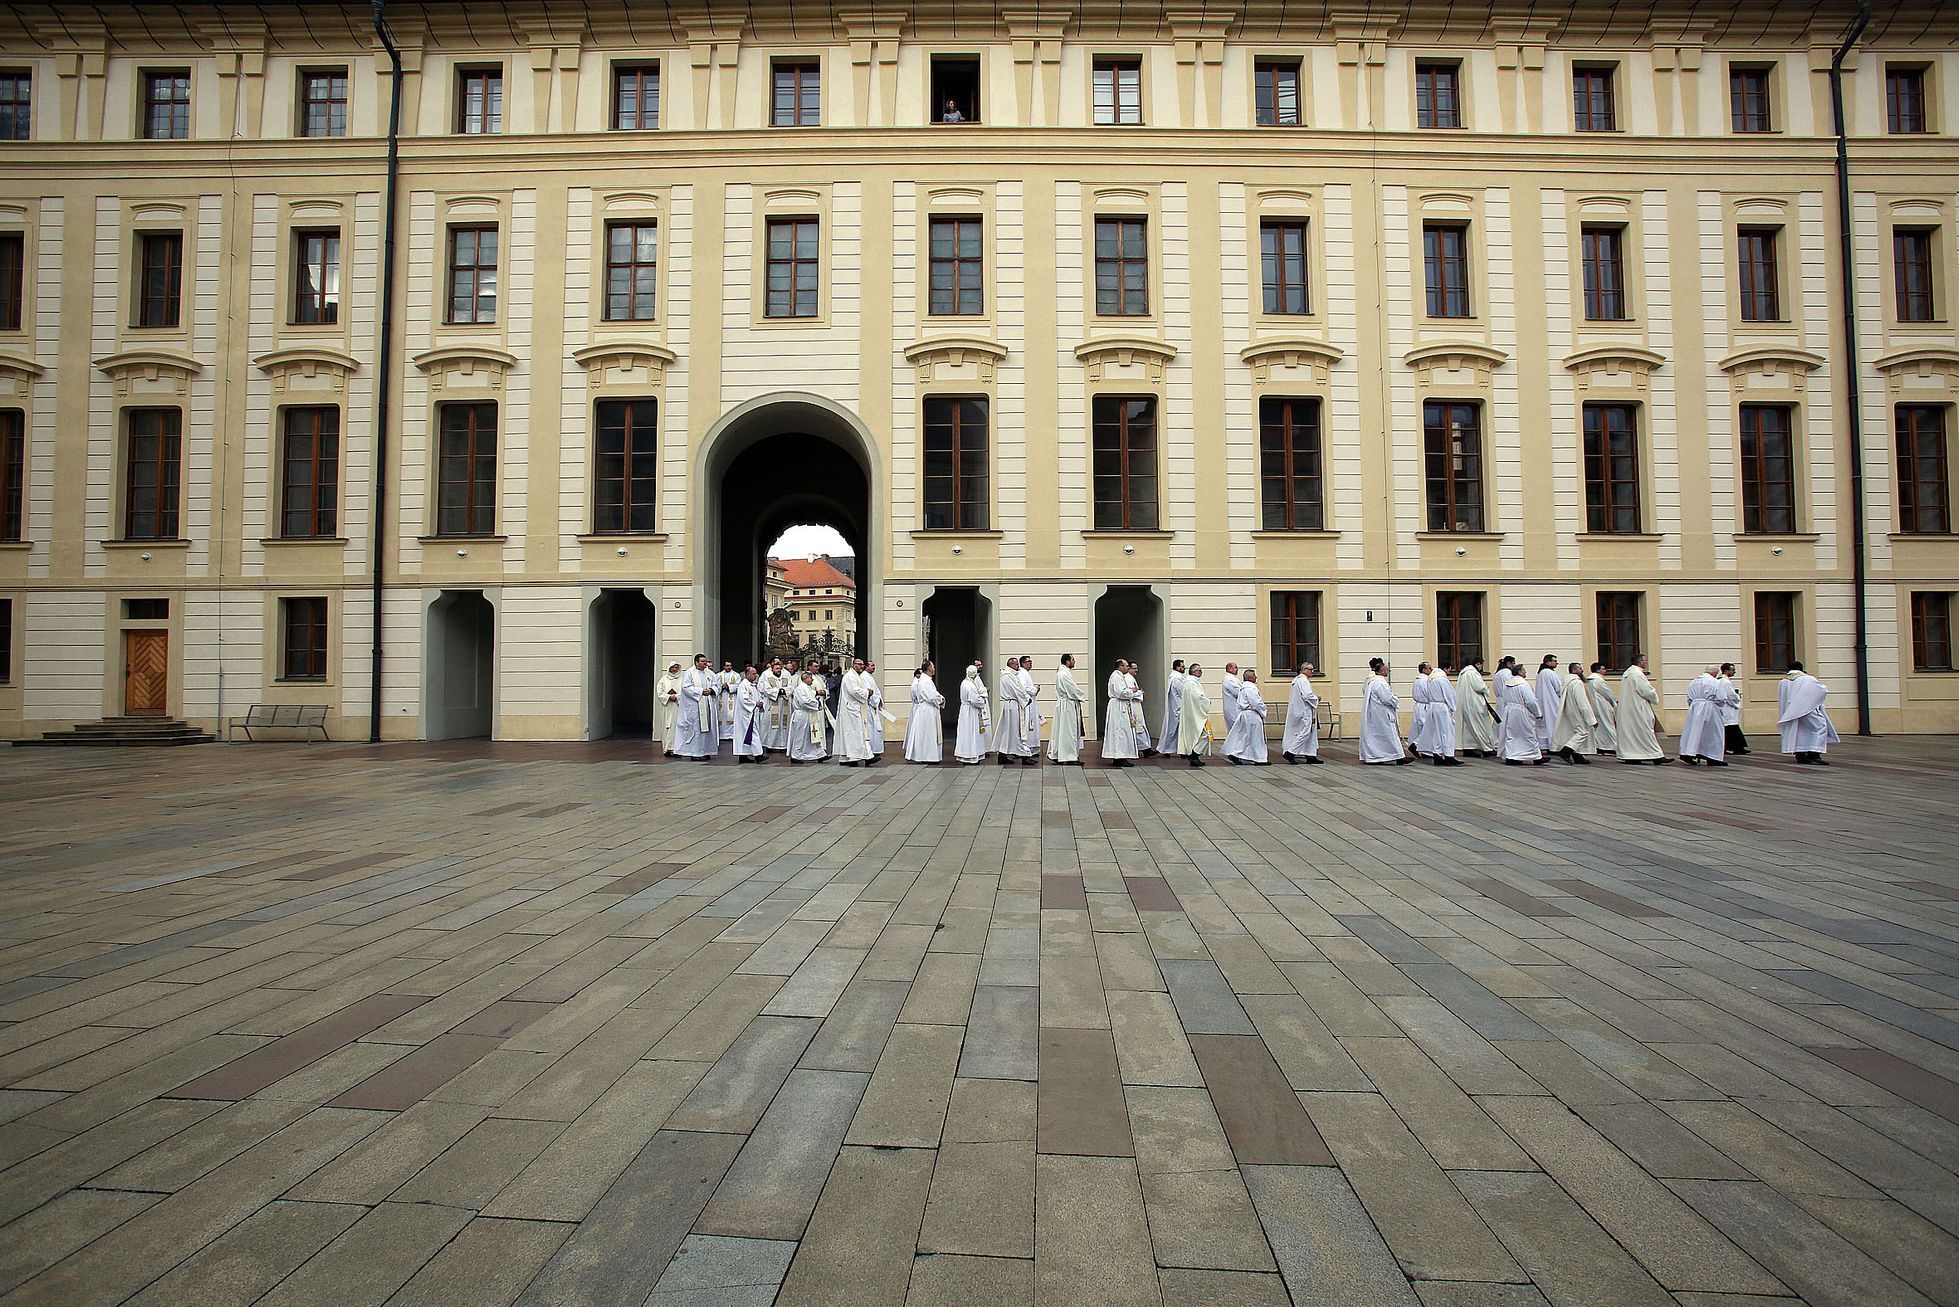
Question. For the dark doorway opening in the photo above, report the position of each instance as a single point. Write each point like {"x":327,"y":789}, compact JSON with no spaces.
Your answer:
{"x":955,"y":88}
{"x":1129,"y":624}
{"x":459,"y":667}
{"x":957,"y":631}
{"x":623,"y":666}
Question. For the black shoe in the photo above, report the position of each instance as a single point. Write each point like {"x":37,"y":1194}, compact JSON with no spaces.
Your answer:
{"x":1314,"y":759}
{"x":1289,"y":758}
{"x":1662,"y":762}
{"x":1512,"y":762}
{"x":1124,"y":762}
{"x":1581,"y":760}
{"x":1234,"y":760}
{"x":1540,"y":762}
{"x":1716,"y":762}
{"x":1452,"y":762}
{"x":1196,"y":761}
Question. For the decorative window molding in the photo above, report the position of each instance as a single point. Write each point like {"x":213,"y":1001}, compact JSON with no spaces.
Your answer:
{"x":469,"y":366}
{"x":153,"y":371}
{"x":1769,"y":361}
{"x":469,"y":206}
{"x":1616,"y":367}
{"x":1445,"y":202}
{"x":320,"y":210}
{"x":954,"y":196}
{"x":1119,"y":195}
{"x":1455,"y":356}
{"x":1102,"y":355}
{"x":1602,"y":206}
{"x":307,"y":363}
{"x":1917,"y":209}
{"x":157,"y":211}
{"x":1761,"y":206}
{"x":635,"y":200}
{"x":624,"y":356}
{"x":937,"y":353}
{"x":1922,"y":361}
{"x":17,"y":372}
{"x":1315,"y":357}
{"x":791,"y":197}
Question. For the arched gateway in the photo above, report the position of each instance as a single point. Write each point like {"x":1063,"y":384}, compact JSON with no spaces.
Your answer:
{"x":768,"y":464}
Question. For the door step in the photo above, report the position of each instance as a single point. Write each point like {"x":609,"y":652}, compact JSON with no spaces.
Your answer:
{"x":124,"y":733}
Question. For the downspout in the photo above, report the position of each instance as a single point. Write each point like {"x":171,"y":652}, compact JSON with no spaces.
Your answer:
{"x":384,"y":363}
{"x":1854,"y":392}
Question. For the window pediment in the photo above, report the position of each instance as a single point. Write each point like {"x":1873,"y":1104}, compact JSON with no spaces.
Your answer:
{"x":465,"y":365}
{"x":624,"y":356}
{"x":1770,"y":361}
{"x":17,"y":371}
{"x":151,"y":370}
{"x":307,"y":363}
{"x":1923,"y":361}
{"x":1102,"y":355}
{"x":936,"y":353}
{"x":1455,"y":356}
{"x":1621,"y":366}
{"x":1314,"y":356}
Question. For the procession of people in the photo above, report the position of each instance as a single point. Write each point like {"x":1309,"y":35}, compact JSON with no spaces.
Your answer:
{"x":1566,"y":710}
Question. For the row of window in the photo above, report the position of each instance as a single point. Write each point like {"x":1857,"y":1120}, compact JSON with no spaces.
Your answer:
{"x":956,"y":474}
{"x":1116,"y":96}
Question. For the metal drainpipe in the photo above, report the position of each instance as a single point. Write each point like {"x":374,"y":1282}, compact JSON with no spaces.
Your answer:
{"x":384,"y":364}
{"x":1854,"y":395}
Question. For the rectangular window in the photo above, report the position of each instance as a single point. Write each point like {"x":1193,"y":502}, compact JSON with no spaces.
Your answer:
{"x":1295,"y":631}
{"x":166,"y":104}
{"x":957,"y":486}
{"x":146,"y":610}
{"x":13,"y":471}
{"x":309,"y":477}
{"x":632,"y":271}
{"x":466,"y":473}
{"x":6,"y":642}
{"x":323,"y":102}
{"x":1775,"y":632}
{"x":958,"y":266}
{"x":1438,"y":99}
{"x":1289,"y":453}
{"x":1931,"y":632}
{"x":1612,"y":468}
{"x":1452,"y":454}
{"x":1282,"y":265}
{"x":479,"y":101}
{"x":1458,"y":626}
{"x":1618,"y":628}
{"x":955,"y":88}
{"x":151,"y":471}
{"x":159,"y":278}
{"x":316,"y":276}
{"x":1748,"y":99}
{"x":1593,"y":106}
{"x":16,"y":104}
{"x":1122,"y":267}
{"x":793,"y":268}
{"x":1904,"y":100}
{"x":1118,"y":85}
{"x":1445,"y":258}
{"x":626,"y":472}
{"x":1911,"y":266}
{"x":1125,"y":462}
{"x":13,"y":279}
{"x":797,"y":99}
{"x":1275,"y":92}
{"x":472,"y":274}
{"x":1604,"y":259}
{"x":635,"y":97}
{"x":1761,"y":279}
{"x":305,"y":638}
{"x":1768,"y":470}
{"x":1924,"y":475}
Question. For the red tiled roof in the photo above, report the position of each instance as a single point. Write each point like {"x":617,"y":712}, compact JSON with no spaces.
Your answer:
{"x":813,"y":574}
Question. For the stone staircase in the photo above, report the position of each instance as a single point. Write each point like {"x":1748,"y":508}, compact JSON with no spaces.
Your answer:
{"x":124,"y":733}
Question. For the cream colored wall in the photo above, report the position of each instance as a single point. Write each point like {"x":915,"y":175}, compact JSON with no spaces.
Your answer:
{"x":1039,"y":173}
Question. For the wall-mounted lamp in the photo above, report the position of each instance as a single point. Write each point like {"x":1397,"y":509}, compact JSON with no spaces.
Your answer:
{"x":145,"y":557}
{"x":959,"y":549}
{"x":622,"y":551}
{"x":1777,"y":551}
{"x":462,"y":553}
{"x":1129,"y":549}
{"x":1461,"y":551}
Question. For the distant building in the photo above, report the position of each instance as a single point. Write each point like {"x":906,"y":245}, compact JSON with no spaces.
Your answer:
{"x":821,"y":599}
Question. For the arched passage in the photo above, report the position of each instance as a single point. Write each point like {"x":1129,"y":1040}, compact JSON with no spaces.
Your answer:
{"x":1129,"y":624}
{"x":771,"y":463}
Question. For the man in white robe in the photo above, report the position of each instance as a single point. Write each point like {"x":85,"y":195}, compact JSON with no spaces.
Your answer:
{"x":1571,"y":734}
{"x":1605,"y":707}
{"x":1008,"y":737}
{"x":969,"y":744}
{"x":1139,"y":725}
{"x":1550,"y":695}
{"x":1506,"y":672}
{"x":1070,"y":716}
{"x":699,"y":732}
{"x":1639,"y":721}
{"x":1380,"y":718}
{"x":925,"y":729}
{"x":1194,"y":717}
{"x":1475,"y":717}
{"x":1245,"y":743}
{"x":750,"y":717}
{"x":774,"y":684}
{"x":1302,"y":739}
{"x":1521,"y":718}
{"x":1173,"y":703}
{"x":874,"y":700}
{"x":1421,"y":727}
{"x":1737,"y":741}
{"x":1232,"y":686}
{"x":1444,"y":728}
{"x":1704,"y":735}
{"x":667,"y":695}
{"x":808,"y":741}
{"x":724,"y":697}
{"x":1118,"y":724}
{"x":1030,"y":714}
{"x":853,"y":717}
{"x":1802,"y":718}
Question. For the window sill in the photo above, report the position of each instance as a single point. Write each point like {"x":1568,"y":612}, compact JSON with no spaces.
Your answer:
{"x":1319,"y":533}
{"x":178,"y":543}
{"x":1895,"y":535}
{"x":1459,"y":535}
{"x":958,"y":533}
{"x":1632,"y":537}
{"x":1780,"y":537}
{"x":461,"y":540}
{"x":1127,"y":535}
{"x":304,"y":683}
{"x":471,"y":328}
{"x":313,"y":329}
{"x":21,"y":545}
{"x":286,"y":542}
{"x":618,"y":537}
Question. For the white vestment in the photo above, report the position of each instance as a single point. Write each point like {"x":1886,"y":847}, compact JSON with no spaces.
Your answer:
{"x":874,"y":713}
{"x":1246,"y":738}
{"x":667,"y":695}
{"x":1475,"y":719}
{"x":1380,"y":722}
{"x":1731,"y":712}
{"x":1302,"y":738}
{"x":853,"y":718}
{"x":970,"y":743}
{"x":1550,"y":697}
{"x":775,"y":700}
{"x":750,"y":724}
{"x":1576,"y":720}
{"x":806,"y":734}
{"x":1070,"y":716}
{"x":1173,"y":707}
{"x":1422,"y":735}
{"x":1705,"y":734}
{"x":1605,"y":707}
{"x":724,"y":696}
{"x":1139,"y":725}
{"x":1801,"y":715}
{"x":1521,"y":717}
{"x":1503,"y":677}
{"x":1193,"y":718}
{"x":925,"y":732}
{"x":1639,"y":736}
{"x":1030,"y":714}
{"x":698,"y":734}
{"x":1118,"y":726}
{"x":1233,"y":687}
{"x":1445,"y":714}
{"x":1008,"y":737}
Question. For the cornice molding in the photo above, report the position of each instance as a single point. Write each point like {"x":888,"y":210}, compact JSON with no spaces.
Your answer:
{"x":1455,"y":356}
{"x":624,"y":356}
{"x":1101,"y":353}
{"x":1315,"y":356}
{"x":1767,"y":359}
{"x":167,"y":368}
{"x":481,"y":366}
{"x":934,"y":352}
{"x":1925,"y":360}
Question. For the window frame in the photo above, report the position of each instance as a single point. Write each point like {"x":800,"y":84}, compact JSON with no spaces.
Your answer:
{"x":162,"y":310}
{"x":1597,"y":267}
{"x":795,"y":262}
{"x":638,"y":70}
{"x":1777,"y":632}
{"x":935,"y":105}
{"x":1913,"y":515}
{"x":1119,"y":113}
{"x":1276,"y":260}
{"x":309,"y":617}
{"x":632,"y":430}
{"x":1743,"y":116}
{"x":323,"y":301}
{"x":1612,"y":612}
{"x":13,"y":280}
{"x":13,"y":474}
{"x":165,"y":517}
{"x":152,"y":104}
{"x":1454,"y":513}
{"x":1587,"y":98}
{"x":638,"y":297}
{"x":1457,"y":612}
{"x":1758,"y":273}
{"x":17,"y":104}
{"x":956,"y":264}
{"x":805,"y":107}
{"x":1288,"y":616}
{"x":319,"y":518}
{"x":1120,"y":263}
{"x":964,"y":511}
{"x":1609,"y":492}
{"x":1931,"y":631}
{"x":1284,"y":438}
{"x":1272,"y":68}
{"x":1915,"y":298}
{"x":474,"y":270}
{"x":1897,"y":117}
{"x":1434,"y":110}
{"x":488,"y":121}
{"x":471,"y":432}
{"x":1752,"y":470}
{"x":1122,"y":430}
{"x":6,"y":640}
{"x":1441,"y":298}
{"x":335,"y":107}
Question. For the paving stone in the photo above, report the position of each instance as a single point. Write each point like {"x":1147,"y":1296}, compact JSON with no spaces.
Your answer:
{"x":1204,"y":1219}
{"x":1812,"y":1259}
{"x":1261,"y":1113}
{"x":777,"y":1177}
{"x":982,"y":1201}
{"x":1329,"y":1252}
{"x":375,"y":1256}
{"x":709,"y":1269}
{"x":50,"y":1232}
{"x":737,"y":1090}
{"x":1786,"y":1164}
{"x":946,"y":1280}
{"x":1563,"y":1250}
{"x":1003,"y":1037}
{"x":1093,"y":1234}
{"x":1897,"y":1238}
{"x":1457,"y":1293}
{"x":243,"y":1264}
{"x":1302,"y":1045}
{"x":863,"y":1235}
{"x":490,"y":1262}
{"x":853,"y":1034}
{"x":474,"y":1169}
{"x":1176,"y":1130}
{"x":943,"y":992}
{"x":384,"y":1161}
{"x":990,"y":1112}
{"x":1221,"y":1289}
{"x":905,"y":1103}
{"x":1204,"y":1001}
{"x":1150,"y":1043}
{"x":1079,"y":1096}
{"x":1455,"y":1131}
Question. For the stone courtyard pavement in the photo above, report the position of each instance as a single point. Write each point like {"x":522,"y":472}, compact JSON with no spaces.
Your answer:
{"x":482,"y":1024}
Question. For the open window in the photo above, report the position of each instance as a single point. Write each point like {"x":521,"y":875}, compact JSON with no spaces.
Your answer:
{"x":955,"y":88}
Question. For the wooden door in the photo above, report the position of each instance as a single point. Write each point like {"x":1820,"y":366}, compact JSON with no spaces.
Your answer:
{"x":146,"y":673}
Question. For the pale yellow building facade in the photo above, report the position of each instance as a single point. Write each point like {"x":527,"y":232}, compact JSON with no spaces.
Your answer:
{"x":1260,"y":334}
